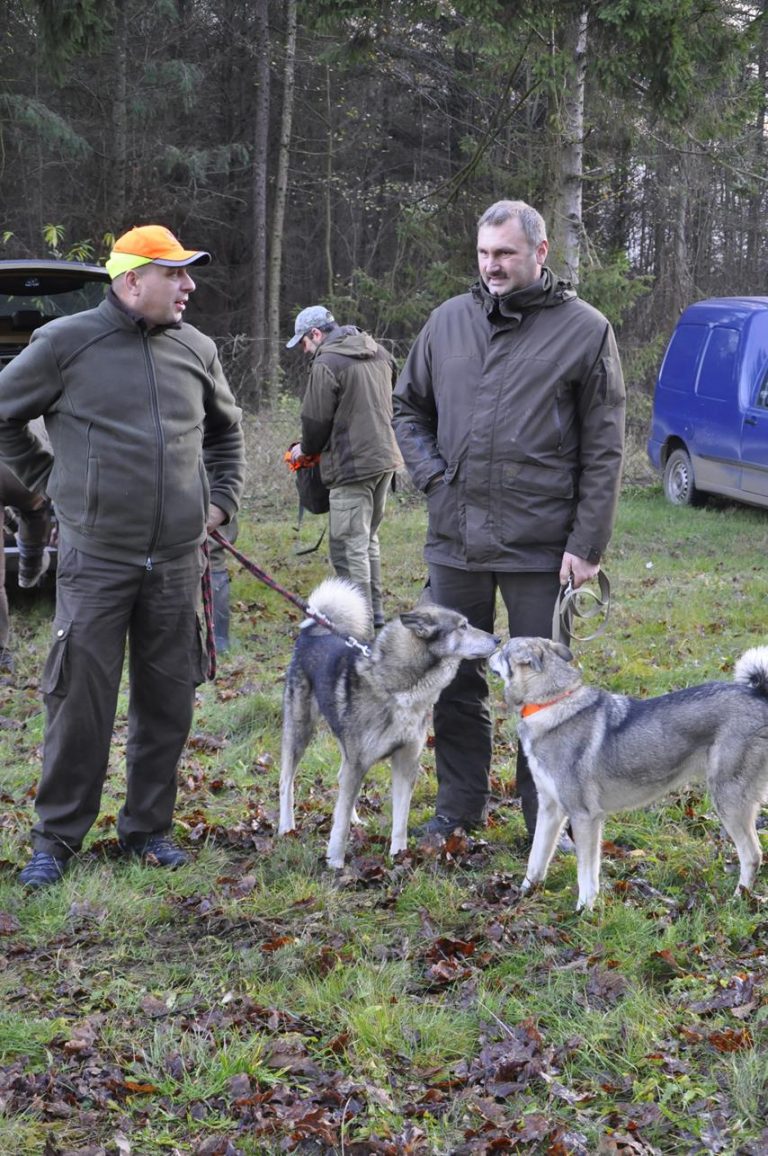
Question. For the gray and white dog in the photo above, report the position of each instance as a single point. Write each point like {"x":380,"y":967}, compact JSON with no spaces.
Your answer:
{"x":377,"y":706}
{"x":593,"y":753}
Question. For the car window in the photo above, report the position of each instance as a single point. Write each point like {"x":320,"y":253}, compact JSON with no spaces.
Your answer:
{"x":679,"y":368}
{"x":48,"y":297}
{"x":718,"y":365}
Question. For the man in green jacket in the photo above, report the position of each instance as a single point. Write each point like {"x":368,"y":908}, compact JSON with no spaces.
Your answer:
{"x":510,"y":416}
{"x":147,"y":457}
{"x":346,"y":417}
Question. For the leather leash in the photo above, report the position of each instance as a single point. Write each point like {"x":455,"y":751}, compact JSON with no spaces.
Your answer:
{"x":304,"y":606}
{"x":570,"y":605}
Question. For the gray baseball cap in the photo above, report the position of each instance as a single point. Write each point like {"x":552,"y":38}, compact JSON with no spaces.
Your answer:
{"x":313,"y":317}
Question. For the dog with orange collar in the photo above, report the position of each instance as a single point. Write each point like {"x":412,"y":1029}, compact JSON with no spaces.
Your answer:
{"x":593,"y":753}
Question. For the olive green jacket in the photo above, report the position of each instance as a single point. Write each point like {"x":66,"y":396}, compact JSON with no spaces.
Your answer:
{"x":144,"y":430}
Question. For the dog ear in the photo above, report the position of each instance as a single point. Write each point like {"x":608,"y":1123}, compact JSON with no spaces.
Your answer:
{"x":421,"y":623}
{"x":561,"y":650}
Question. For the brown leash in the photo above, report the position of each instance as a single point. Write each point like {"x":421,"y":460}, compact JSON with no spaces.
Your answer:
{"x":304,"y":606}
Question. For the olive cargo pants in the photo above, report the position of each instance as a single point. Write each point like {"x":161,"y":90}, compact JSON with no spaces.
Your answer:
{"x":100,"y":604}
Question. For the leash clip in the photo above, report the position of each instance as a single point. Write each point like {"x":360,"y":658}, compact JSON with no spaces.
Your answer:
{"x":354,"y":644}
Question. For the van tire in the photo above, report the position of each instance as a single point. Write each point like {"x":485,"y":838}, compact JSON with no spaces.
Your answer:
{"x":679,"y":485}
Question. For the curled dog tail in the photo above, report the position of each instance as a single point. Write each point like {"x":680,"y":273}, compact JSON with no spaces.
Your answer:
{"x":752,"y":669}
{"x":343,"y":603}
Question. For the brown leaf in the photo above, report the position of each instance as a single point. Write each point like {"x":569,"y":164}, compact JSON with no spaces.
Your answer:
{"x":731,"y":1040}
{"x":9,"y":924}
{"x":153,"y":1007}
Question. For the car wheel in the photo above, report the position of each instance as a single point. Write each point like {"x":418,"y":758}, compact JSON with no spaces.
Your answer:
{"x":679,"y":485}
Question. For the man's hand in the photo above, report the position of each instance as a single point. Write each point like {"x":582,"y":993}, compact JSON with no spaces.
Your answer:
{"x":577,"y":569}
{"x":216,"y":517}
{"x":296,"y":452}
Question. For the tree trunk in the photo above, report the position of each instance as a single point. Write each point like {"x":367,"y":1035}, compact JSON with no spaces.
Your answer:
{"x":278,"y":216}
{"x":117,"y":186}
{"x":260,"y":203}
{"x":567,"y":226}
{"x":328,"y":190}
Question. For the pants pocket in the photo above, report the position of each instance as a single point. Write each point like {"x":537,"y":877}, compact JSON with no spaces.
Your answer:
{"x":55,"y":677}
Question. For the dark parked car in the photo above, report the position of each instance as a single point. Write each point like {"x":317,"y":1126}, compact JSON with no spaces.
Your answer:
{"x":31,"y":294}
{"x":709,"y":433}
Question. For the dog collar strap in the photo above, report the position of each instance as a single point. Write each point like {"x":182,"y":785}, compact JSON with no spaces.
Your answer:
{"x":533,"y":707}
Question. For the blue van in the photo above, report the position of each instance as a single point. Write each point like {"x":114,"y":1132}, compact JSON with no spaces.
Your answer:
{"x":709,"y":433}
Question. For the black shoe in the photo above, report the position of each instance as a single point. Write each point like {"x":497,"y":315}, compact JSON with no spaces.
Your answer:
{"x":445,"y":825}
{"x":159,"y":850}
{"x":32,"y":566}
{"x":42,"y":870}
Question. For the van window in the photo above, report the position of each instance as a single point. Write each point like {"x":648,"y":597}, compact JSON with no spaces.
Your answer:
{"x":762,"y":393}
{"x":717,"y":368}
{"x":679,"y":368}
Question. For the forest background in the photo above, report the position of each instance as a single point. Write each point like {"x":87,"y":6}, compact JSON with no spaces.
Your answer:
{"x":341,"y":152}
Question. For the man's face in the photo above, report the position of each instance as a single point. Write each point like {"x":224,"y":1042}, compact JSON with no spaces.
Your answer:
{"x":506,"y":260}
{"x":161,"y":293}
{"x":311,"y":341}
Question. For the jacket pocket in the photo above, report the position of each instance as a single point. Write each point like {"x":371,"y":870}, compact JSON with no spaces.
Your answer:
{"x":538,"y":503}
{"x":55,"y":677}
{"x":446,"y":520}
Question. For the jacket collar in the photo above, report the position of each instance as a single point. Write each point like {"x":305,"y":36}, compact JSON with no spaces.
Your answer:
{"x":544,"y":293}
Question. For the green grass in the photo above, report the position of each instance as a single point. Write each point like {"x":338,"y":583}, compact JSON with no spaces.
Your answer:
{"x":256,"y":1002}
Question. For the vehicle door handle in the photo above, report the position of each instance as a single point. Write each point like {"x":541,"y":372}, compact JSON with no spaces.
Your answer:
{"x":750,"y":421}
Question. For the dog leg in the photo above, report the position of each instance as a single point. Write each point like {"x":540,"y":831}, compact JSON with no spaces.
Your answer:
{"x":588,"y":836}
{"x":350,"y":781}
{"x":299,"y":717}
{"x":740,"y":825}
{"x":405,"y":771}
{"x":549,"y":824}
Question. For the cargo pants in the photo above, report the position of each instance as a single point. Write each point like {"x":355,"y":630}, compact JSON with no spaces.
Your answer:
{"x":356,"y":511}
{"x":99,"y":606}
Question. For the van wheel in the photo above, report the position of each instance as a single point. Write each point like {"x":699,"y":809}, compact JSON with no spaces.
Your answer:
{"x":679,"y":486}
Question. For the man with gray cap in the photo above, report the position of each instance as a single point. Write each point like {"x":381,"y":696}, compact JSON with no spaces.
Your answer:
{"x":147,"y":456}
{"x":346,"y":418}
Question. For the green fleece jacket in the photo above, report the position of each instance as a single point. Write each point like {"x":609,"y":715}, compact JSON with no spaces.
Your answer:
{"x":346,"y":415}
{"x":143,"y":427}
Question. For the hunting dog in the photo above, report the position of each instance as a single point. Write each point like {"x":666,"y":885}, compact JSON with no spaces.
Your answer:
{"x":593,"y":753}
{"x":378,"y":705}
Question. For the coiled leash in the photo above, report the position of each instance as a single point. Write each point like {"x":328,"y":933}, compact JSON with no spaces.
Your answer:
{"x":303,"y":606}
{"x":582,"y":603}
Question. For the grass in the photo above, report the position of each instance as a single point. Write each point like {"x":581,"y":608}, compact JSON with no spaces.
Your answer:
{"x":256,"y":1002}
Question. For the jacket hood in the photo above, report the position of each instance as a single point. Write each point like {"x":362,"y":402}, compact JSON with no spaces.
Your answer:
{"x":545,"y":293}
{"x":349,"y":342}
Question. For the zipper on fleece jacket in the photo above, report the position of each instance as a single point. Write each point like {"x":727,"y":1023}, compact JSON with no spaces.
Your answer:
{"x":155,"y":408}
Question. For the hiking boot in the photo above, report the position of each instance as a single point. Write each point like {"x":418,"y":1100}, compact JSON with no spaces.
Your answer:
{"x":158,"y":850}
{"x":445,"y":825}
{"x":32,"y":566}
{"x":42,"y":870}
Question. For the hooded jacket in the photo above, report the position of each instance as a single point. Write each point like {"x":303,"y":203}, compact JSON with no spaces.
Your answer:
{"x":510,"y":413}
{"x":143,"y":426}
{"x":346,"y":415}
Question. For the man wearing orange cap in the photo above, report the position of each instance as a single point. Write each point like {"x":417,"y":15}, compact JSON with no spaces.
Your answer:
{"x":147,"y":457}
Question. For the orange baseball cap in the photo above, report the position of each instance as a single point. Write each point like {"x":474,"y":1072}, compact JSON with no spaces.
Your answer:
{"x":151,"y":243}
